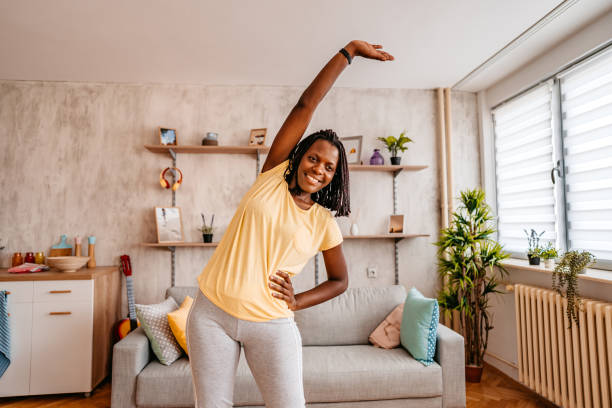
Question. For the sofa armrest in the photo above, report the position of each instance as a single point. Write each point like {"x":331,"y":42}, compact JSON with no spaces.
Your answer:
{"x":450,"y":354}
{"x":130,"y":356}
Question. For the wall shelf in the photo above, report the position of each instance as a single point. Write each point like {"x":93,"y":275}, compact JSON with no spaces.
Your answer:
{"x":214,"y":244}
{"x":179,"y":244}
{"x":397,"y":237}
{"x":208,"y":149}
{"x":387,"y":167}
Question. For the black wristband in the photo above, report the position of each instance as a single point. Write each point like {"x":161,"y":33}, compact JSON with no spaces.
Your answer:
{"x":346,"y":54}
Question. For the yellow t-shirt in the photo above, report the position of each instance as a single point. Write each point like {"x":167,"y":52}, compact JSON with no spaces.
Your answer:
{"x":268,"y":232}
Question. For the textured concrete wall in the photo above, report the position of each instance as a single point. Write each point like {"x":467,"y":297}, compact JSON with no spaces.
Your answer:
{"x":73,"y":163}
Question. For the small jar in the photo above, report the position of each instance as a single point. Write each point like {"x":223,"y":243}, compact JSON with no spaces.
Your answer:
{"x":39,"y":258}
{"x":29,"y":258}
{"x":17,"y":259}
{"x":377,"y":158}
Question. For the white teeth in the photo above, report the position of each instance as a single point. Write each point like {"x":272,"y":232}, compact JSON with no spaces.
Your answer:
{"x":312,"y":179}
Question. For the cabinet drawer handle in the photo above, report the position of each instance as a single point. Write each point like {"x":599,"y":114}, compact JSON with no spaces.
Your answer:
{"x":60,"y":291}
{"x":60,"y":313}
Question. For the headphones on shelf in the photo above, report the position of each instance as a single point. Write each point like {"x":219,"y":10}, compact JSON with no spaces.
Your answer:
{"x":179,"y":179}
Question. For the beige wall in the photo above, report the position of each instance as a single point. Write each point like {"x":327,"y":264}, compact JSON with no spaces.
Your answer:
{"x":73,"y":163}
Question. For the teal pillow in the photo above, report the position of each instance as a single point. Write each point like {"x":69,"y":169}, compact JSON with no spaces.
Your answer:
{"x":419,"y":329}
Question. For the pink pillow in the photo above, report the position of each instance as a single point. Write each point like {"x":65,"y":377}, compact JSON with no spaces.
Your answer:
{"x":387,"y":334}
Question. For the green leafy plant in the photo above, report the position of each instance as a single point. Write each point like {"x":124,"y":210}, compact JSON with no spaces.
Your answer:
{"x":470,"y":265}
{"x":393,"y":144}
{"x":566,"y":275}
{"x":207,"y":229}
{"x":549,"y":252}
{"x":533,"y":238}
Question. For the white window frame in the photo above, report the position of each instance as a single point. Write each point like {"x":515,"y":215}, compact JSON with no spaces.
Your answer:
{"x":488,"y":152}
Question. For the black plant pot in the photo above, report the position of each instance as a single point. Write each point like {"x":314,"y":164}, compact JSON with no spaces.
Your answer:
{"x":207,"y":237}
{"x":533,"y":260}
{"x":396,"y":160}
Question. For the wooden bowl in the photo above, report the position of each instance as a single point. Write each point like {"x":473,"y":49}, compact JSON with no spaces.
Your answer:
{"x":67,"y":263}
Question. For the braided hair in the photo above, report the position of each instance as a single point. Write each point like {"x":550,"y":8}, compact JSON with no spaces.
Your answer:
{"x":335,"y":196}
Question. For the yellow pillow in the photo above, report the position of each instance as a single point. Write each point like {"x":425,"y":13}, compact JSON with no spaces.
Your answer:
{"x":178,"y":322}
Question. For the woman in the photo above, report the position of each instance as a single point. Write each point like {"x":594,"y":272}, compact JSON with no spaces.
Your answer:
{"x":246,"y":297}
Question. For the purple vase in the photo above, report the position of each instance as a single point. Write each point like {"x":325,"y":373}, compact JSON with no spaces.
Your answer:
{"x":377,"y":158}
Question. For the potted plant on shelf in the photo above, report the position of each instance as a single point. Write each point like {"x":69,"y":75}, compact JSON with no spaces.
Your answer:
{"x":393,"y":145}
{"x":207,"y":230}
{"x":549,"y":254}
{"x":534,"y":250}
{"x":470,"y":265}
{"x":566,"y":274}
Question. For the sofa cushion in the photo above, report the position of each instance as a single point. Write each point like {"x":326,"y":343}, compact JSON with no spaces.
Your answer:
{"x":331,"y":374}
{"x":349,"y":318}
{"x":365,"y":372}
{"x":154,"y":321}
{"x":419,"y":328}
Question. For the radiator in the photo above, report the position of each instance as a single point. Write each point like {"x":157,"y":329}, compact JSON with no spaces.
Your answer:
{"x":571,"y":367}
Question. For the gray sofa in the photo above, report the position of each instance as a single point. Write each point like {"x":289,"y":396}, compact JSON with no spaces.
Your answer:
{"x":341,"y":368}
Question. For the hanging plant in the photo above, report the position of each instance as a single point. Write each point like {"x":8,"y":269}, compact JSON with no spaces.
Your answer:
{"x":566,"y":275}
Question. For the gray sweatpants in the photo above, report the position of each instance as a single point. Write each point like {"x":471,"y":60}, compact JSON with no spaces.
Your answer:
{"x":273,"y":351}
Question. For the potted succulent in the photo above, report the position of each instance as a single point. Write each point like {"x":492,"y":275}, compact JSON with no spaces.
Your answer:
{"x":566,"y":274}
{"x":549,"y":254}
{"x":534,"y":250}
{"x":393,"y":145}
{"x":470,"y":265}
{"x":207,"y":230}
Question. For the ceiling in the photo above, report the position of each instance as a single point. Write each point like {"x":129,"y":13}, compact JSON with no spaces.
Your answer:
{"x":436,"y":43}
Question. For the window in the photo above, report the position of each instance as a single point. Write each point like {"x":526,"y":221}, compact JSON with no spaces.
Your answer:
{"x":553,"y":162}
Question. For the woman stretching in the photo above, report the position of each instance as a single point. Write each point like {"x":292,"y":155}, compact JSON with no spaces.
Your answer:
{"x":246,"y":297}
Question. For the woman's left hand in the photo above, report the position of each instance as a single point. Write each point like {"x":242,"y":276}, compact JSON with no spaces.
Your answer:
{"x":370,"y":51}
{"x":283,"y":289}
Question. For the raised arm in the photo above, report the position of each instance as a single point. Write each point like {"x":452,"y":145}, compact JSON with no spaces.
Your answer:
{"x":296,"y":123}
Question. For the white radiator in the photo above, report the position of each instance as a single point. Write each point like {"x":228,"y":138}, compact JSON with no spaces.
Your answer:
{"x":570,"y":367}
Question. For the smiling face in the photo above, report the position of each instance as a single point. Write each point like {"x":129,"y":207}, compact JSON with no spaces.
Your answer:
{"x":318,"y":166}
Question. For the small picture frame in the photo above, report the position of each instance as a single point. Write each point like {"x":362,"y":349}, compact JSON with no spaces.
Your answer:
{"x":167,"y":137}
{"x":258,"y":137}
{"x":352,"y":148}
{"x":169,"y":222}
{"x":396,"y":224}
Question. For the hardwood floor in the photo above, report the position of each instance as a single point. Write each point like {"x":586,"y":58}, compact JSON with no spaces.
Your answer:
{"x":495,"y":391}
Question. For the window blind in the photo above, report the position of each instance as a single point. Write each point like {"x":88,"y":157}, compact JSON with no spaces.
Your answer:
{"x":586,"y":105}
{"x":523,"y":164}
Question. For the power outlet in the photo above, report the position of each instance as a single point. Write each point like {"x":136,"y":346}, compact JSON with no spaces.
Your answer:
{"x":372,"y":272}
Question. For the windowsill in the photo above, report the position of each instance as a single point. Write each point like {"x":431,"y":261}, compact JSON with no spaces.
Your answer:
{"x":596,"y":275}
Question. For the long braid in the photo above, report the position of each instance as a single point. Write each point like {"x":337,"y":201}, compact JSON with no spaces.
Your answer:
{"x":336,"y":195}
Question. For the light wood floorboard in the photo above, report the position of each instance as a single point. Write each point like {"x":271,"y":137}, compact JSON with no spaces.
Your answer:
{"x":495,"y":391}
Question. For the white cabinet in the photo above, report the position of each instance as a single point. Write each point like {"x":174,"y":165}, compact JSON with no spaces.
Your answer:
{"x":62,"y":325}
{"x":56,"y":346}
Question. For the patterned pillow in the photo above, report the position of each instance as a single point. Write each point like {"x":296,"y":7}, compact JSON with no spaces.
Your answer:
{"x":419,"y":330}
{"x":154,"y":321}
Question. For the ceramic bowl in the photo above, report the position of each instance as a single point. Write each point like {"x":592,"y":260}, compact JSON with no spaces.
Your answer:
{"x":67,"y":263}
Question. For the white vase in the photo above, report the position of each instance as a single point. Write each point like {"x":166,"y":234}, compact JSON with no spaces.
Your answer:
{"x":549,"y":263}
{"x":354,"y":229}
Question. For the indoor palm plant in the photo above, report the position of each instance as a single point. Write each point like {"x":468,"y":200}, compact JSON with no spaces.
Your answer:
{"x":394,"y":144}
{"x":566,"y":274}
{"x":470,"y":265}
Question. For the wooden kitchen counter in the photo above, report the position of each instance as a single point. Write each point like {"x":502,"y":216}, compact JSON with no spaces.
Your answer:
{"x":54,"y":274}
